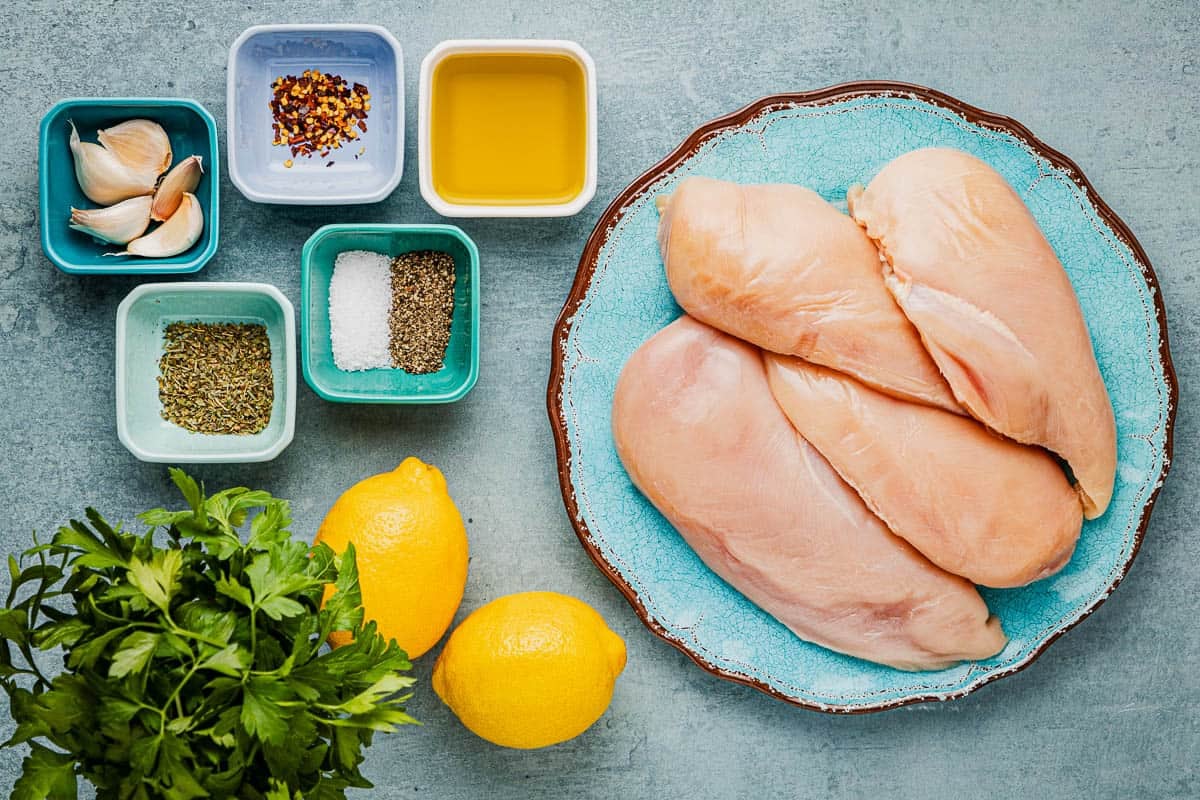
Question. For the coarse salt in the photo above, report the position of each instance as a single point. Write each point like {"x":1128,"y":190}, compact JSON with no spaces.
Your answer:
{"x":360,"y":297}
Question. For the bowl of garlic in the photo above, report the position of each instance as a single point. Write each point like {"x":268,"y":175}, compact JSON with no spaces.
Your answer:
{"x":128,"y":185}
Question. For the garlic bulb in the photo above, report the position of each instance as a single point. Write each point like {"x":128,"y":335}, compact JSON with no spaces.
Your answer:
{"x":116,"y":224}
{"x":139,"y":144}
{"x":174,"y":236}
{"x":184,"y":177}
{"x":103,"y":177}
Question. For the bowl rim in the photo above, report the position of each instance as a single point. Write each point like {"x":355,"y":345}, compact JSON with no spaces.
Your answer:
{"x":338,"y":396}
{"x":212,"y":224}
{"x":691,"y":144}
{"x":424,"y":119}
{"x":288,"y":368}
{"x":248,"y":190}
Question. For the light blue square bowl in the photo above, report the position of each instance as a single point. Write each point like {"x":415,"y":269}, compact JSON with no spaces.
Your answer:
{"x":142,"y":319}
{"x":366,"y":54}
{"x":191,"y":130}
{"x":461,"y":368}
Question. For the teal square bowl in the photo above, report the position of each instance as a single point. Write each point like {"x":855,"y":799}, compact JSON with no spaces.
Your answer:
{"x":461,"y":368}
{"x":142,"y":319}
{"x":192,"y":132}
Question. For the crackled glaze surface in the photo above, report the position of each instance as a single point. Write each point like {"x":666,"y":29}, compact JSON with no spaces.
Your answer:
{"x":829,"y":144}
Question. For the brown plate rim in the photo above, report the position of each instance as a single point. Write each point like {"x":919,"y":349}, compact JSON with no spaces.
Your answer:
{"x":831,"y":94}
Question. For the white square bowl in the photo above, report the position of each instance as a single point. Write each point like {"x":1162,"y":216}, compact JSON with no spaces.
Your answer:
{"x":366,"y":54}
{"x":455,"y":46}
{"x":142,"y":319}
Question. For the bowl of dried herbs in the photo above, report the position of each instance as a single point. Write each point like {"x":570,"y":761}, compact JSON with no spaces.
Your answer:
{"x":206,"y":372}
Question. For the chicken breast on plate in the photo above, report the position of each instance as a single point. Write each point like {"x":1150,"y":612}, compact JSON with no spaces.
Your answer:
{"x":967,"y":262}
{"x":701,"y":435}
{"x":976,"y":504}
{"x":778,"y":266}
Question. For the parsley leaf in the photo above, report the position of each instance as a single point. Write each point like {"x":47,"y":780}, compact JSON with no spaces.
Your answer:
{"x":159,"y":579}
{"x":133,"y":654}
{"x":46,"y":773}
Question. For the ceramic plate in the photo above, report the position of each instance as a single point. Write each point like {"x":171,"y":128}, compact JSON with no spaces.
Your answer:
{"x":829,"y":140}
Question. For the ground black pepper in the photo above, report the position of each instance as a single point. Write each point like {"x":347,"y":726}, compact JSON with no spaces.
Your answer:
{"x":422,"y":310}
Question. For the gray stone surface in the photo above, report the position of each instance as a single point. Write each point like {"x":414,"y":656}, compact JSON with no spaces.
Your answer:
{"x":1108,"y":712}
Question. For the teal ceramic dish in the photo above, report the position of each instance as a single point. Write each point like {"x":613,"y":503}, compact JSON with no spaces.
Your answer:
{"x":461,"y":368}
{"x":191,"y":130}
{"x":142,"y":319}
{"x":829,"y":140}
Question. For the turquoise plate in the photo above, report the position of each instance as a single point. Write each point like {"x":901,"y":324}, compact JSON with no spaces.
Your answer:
{"x":829,"y":140}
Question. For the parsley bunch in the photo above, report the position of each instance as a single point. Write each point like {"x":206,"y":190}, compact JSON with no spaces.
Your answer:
{"x":195,"y":669}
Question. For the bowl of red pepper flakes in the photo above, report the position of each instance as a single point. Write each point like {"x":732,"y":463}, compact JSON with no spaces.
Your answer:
{"x":315,"y":114}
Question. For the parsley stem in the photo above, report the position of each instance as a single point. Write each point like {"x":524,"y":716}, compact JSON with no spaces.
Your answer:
{"x":171,"y":626}
{"x":35,"y":672}
{"x":198,"y":637}
{"x":174,"y":698}
{"x":91,"y":599}
{"x":33,"y":614}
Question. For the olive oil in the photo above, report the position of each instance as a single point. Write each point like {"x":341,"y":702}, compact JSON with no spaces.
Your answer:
{"x":508,"y":128}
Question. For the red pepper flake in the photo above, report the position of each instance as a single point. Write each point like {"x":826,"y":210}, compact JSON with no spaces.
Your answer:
{"x":316,"y":112}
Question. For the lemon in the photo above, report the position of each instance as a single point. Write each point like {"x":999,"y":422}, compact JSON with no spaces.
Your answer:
{"x":412,"y":552}
{"x":530,"y":670}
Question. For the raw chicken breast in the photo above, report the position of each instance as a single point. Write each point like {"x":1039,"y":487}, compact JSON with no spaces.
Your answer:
{"x":701,"y":436}
{"x":972,"y":270}
{"x":778,"y":266}
{"x":978,"y":505}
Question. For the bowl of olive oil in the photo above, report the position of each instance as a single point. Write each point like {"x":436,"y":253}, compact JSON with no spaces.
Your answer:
{"x":507,"y":128}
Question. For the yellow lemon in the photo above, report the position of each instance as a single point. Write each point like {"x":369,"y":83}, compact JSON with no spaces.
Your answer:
{"x":412,"y":552}
{"x":530,"y":669}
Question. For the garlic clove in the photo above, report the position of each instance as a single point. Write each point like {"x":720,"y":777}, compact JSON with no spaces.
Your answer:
{"x":139,"y":144}
{"x":102,"y":176}
{"x":183,"y":177}
{"x":117,"y":224}
{"x":174,"y":236}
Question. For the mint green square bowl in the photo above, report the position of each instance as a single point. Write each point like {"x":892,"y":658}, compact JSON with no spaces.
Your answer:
{"x":461,"y":368}
{"x":142,"y":319}
{"x":191,"y":130}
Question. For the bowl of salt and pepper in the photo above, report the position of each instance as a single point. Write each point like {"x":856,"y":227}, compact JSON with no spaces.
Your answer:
{"x":391,"y":313}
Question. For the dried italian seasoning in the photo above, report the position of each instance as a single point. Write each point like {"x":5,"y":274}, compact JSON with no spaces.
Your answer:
{"x":216,"y":377}
{"x":422,"y":310}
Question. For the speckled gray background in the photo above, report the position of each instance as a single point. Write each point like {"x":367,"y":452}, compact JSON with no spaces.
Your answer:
{"x":1109,"y":712}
